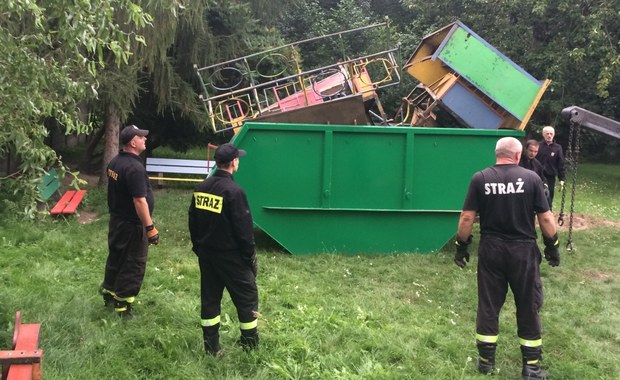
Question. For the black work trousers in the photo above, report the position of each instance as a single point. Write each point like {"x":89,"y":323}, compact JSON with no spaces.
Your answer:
{"x":503,"y":263}
{"x":126,"y":263}
{"x":230,"y":271}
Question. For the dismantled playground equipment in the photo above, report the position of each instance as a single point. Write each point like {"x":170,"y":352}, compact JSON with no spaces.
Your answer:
{"x":272,"y":86}
{"x":471,"y":80}
{"x":328,"y":170}
{"x":579,"y":117}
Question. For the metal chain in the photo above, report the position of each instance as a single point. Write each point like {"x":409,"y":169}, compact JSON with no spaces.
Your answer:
{"x":574,"y":158}
{"x":569,"y":161}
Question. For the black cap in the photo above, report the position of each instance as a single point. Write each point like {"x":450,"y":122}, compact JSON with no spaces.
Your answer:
{"x":130,"y":131}
{"x":226,"y":153}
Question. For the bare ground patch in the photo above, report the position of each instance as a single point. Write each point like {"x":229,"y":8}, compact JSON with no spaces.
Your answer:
{"x":597,"y":275}
{"x":584,"y":222}
{"x":87,"y":217}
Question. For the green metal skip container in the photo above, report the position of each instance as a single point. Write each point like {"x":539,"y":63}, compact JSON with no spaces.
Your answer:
{"x":360,"y":189}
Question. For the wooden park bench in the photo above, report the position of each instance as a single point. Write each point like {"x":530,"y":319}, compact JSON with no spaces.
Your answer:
{"x":50,"y":183}
{"x":162,"y":166}
{"x":24,"y":361}
{"x":69,"y":201}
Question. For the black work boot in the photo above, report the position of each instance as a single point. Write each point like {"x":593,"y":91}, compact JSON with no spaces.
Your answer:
{"x":123,"y":308}
{"x":211,"y":337}
{"x":108,"y":300}
{"x":532,"y":368}
{"x":108,"y":297}
{"x":249,"y":339}
{"x":486,"y":358}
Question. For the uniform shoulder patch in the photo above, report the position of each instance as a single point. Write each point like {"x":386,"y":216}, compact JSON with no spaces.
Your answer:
{"x":208,"y":202}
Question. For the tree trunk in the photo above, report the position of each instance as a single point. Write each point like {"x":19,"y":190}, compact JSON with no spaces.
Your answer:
{"x":111,"y":124}
{"x":91,"y":163}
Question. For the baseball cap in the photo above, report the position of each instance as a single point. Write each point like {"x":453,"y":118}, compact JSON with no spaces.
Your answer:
{"x":130,"y":131}
{"x":227,"y":152}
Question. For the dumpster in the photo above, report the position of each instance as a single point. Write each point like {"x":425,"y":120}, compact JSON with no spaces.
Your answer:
{"x":360,"y":190}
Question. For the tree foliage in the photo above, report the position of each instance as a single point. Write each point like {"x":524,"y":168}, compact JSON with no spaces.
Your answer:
{"x":150,"y":71}
{"x":118,"y":61}
{"x":575,"y":44}
{"x":51,"y":52}
{"x":160,"y":85}
{"x":132,"y":60}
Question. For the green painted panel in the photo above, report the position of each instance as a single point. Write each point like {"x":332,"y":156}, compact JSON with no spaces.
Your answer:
{"x":49,"y":184}
{"x":359,"y":232}
{"x":500,"y":78}
{"x":354,"y":190}
{"x":359,"y":160}
{"x":443,"y":167}
{"x":299,"y":154}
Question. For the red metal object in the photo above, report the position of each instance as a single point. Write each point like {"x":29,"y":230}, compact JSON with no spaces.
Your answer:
{"x":24,"y":361}
{"x":69,"y":202}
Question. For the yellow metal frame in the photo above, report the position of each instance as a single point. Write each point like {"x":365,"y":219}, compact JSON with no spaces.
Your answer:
{"x":529,"y":113}
{"x":176,"y":179}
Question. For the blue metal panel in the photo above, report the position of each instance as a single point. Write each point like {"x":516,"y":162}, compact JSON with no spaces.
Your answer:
{"x":468,"y":108}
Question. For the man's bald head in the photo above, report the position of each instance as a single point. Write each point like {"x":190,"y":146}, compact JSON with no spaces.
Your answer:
{"x":507,"y":147}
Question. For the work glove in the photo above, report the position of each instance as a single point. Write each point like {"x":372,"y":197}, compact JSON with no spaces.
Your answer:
{"x":152,"y":234}
{"x":461,"y":257}
{"x":561,"y":185}
{"x":552,"y":250}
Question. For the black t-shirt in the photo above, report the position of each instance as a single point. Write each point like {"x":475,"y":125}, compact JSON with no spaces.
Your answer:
{"x":127,"y":179}
{"x":534,"y":165}
{"x":506,"y":198}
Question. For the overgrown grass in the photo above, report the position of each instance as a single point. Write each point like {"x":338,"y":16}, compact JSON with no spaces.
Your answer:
{"x":597,"y":190}
{"x":193,"y":153}
{"x":322,"y":316}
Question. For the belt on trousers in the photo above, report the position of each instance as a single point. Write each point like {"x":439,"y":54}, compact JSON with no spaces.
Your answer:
{"x":493,"y":237}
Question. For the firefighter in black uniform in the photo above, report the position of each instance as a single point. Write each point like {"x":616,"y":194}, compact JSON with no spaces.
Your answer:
{"x":221,"y":231}
{"x":507,"y":197}
{"x":529,"y":161}
{"x":551,"y":157}
{"x":131,"y":230}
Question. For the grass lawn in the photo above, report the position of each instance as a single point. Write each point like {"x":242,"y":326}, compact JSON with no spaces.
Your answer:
{"x":322,"y":316}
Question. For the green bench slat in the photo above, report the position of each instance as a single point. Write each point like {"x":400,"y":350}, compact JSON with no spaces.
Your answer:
{"x":49,"y":184}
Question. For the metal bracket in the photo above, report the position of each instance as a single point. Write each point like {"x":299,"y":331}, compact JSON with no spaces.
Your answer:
{"x":592,"y":120}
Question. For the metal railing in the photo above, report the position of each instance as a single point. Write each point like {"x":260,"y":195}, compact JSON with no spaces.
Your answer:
{"x":274,"y":81}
